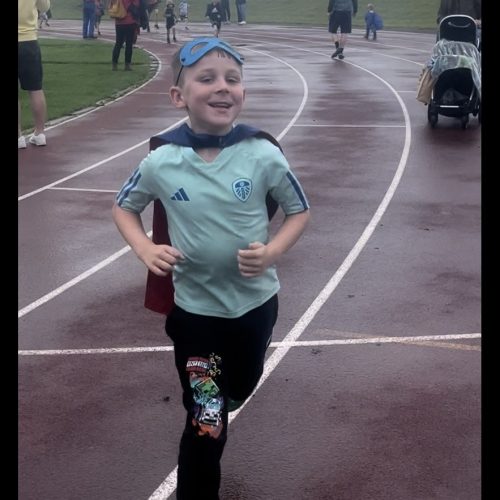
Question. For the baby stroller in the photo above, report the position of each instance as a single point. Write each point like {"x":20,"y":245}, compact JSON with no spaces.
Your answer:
{"x":455,"y":67}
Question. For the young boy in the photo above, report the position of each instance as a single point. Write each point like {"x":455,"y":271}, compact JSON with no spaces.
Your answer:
{"x":213,"y":179}
{"x":373,"y":22}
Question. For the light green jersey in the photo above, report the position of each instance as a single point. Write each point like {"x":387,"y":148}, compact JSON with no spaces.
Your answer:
{"x":213,"y":210}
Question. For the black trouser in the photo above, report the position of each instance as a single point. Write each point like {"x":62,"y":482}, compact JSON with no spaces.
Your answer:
{"x":124,"y":34}
{"x":218,"y":360}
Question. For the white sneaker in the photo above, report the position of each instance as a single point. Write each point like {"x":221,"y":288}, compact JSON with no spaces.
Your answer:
{"x":242,"y":22}
{"x":38,"y":140}
{"x":21,"y":142}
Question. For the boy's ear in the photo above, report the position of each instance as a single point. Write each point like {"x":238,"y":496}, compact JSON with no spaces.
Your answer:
{"x":176,"y":97}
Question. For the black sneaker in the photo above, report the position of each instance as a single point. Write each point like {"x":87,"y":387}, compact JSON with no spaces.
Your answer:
{"x":336,"y":53}
{"x":341,"y":56}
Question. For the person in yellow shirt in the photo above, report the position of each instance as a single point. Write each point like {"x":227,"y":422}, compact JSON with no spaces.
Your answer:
{"x":29,"y":68}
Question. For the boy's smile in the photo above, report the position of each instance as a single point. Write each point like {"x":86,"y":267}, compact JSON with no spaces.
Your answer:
{"x":212,"y":92}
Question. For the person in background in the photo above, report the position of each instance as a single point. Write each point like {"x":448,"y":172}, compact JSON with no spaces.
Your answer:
{"x":99,"y":12}
{"x":89,"y":11}
{"x":30,"y":70}
{"x":373,"y":22}
{"x":212,"y":178}
{"x":225,"y":11}
{"x":340,"y":14}
{"x":43,"y":17}
{"x":241,"y":9}
{"x":125,"y":32}
{"x":214,"y":14}
{"x":170,"y":20}
{"x":153,"y":14}
{"x":183,"y":14}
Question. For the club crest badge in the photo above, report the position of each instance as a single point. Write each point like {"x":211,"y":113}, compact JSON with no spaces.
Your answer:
{"x":242,"y":188}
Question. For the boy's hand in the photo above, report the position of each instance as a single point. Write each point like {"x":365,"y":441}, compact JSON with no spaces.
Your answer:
{"x":160,"y":259}
{"x":254,"y":261}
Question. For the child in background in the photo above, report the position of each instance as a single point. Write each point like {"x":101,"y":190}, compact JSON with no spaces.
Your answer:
{"x":183,"y":13}
{"x":373,"y":22}
{"x":43,"y":17}
{"x":214,"y":14}
{"x":213,"y":179}
{"x":170,"y":19}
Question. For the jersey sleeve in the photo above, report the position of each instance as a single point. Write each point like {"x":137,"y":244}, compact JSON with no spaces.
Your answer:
{"x":284,"y":187}
{"x":137,"y":192}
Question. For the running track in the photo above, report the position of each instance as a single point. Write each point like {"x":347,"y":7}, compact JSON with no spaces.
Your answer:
{"x":372,"y":384}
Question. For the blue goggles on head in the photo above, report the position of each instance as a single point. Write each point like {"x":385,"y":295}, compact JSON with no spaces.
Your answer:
{"x":194,"y":50}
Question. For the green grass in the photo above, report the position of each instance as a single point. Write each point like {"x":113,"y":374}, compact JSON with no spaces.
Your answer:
{"x":77,"y":75}
{"x":397,"y":14}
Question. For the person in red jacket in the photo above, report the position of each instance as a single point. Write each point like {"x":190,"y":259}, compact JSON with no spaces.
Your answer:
{"x":125,"y":30}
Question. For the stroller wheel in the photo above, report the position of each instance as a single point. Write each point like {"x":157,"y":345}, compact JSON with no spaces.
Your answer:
{"x":432,"y":116}
{"x":464,"y":121}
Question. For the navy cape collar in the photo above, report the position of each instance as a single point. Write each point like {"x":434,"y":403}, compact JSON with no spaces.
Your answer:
{"x":184,"y":136}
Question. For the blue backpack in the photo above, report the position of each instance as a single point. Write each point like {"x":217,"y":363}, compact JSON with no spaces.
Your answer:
{"x":377,"y":21}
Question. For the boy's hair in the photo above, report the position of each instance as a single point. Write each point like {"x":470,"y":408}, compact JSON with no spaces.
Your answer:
{"x":371,"y":6}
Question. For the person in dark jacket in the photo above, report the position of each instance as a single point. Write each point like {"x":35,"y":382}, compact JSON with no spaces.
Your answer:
{"x":214,"y":14}
{"x":125,"y":32}
{"x":341,"y":12}
{"x":470,"y":8}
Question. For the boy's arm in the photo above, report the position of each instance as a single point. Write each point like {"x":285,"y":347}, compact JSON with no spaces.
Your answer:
{"x":258,"y":257}
{"x":159,"y":259}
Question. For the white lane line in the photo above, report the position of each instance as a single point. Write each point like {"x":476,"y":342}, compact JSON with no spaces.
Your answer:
{"x":296,"y":343}
{"x":168,"y":486}
{"x":86,"y":190}
{"x":312,"y":125}
{"x":98,"y":164}
{"x":54,"y":293}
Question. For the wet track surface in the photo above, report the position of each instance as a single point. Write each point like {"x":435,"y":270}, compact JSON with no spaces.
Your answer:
{"x":372,"y":388}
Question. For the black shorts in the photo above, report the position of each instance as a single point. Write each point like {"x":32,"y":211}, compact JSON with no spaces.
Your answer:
{"x":340,"y":19}
{"x":29,"y":65}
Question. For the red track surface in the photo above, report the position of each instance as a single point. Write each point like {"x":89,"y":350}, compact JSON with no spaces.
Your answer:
{"x":351,"y":418}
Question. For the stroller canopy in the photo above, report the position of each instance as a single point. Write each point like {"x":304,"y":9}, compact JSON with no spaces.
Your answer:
{"x":451,"y":54}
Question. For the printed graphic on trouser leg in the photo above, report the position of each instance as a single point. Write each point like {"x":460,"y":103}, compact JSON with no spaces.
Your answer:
{"x":207,"y":415}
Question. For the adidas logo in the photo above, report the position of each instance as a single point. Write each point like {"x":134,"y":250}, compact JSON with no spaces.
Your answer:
{"x":180,"y":195}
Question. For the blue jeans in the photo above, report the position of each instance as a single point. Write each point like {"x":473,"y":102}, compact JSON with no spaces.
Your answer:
{"x":88,"y":19}
{"x":242,"y":11}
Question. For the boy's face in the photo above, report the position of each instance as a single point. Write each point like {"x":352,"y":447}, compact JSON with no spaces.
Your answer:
{"x":212,"y":92}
